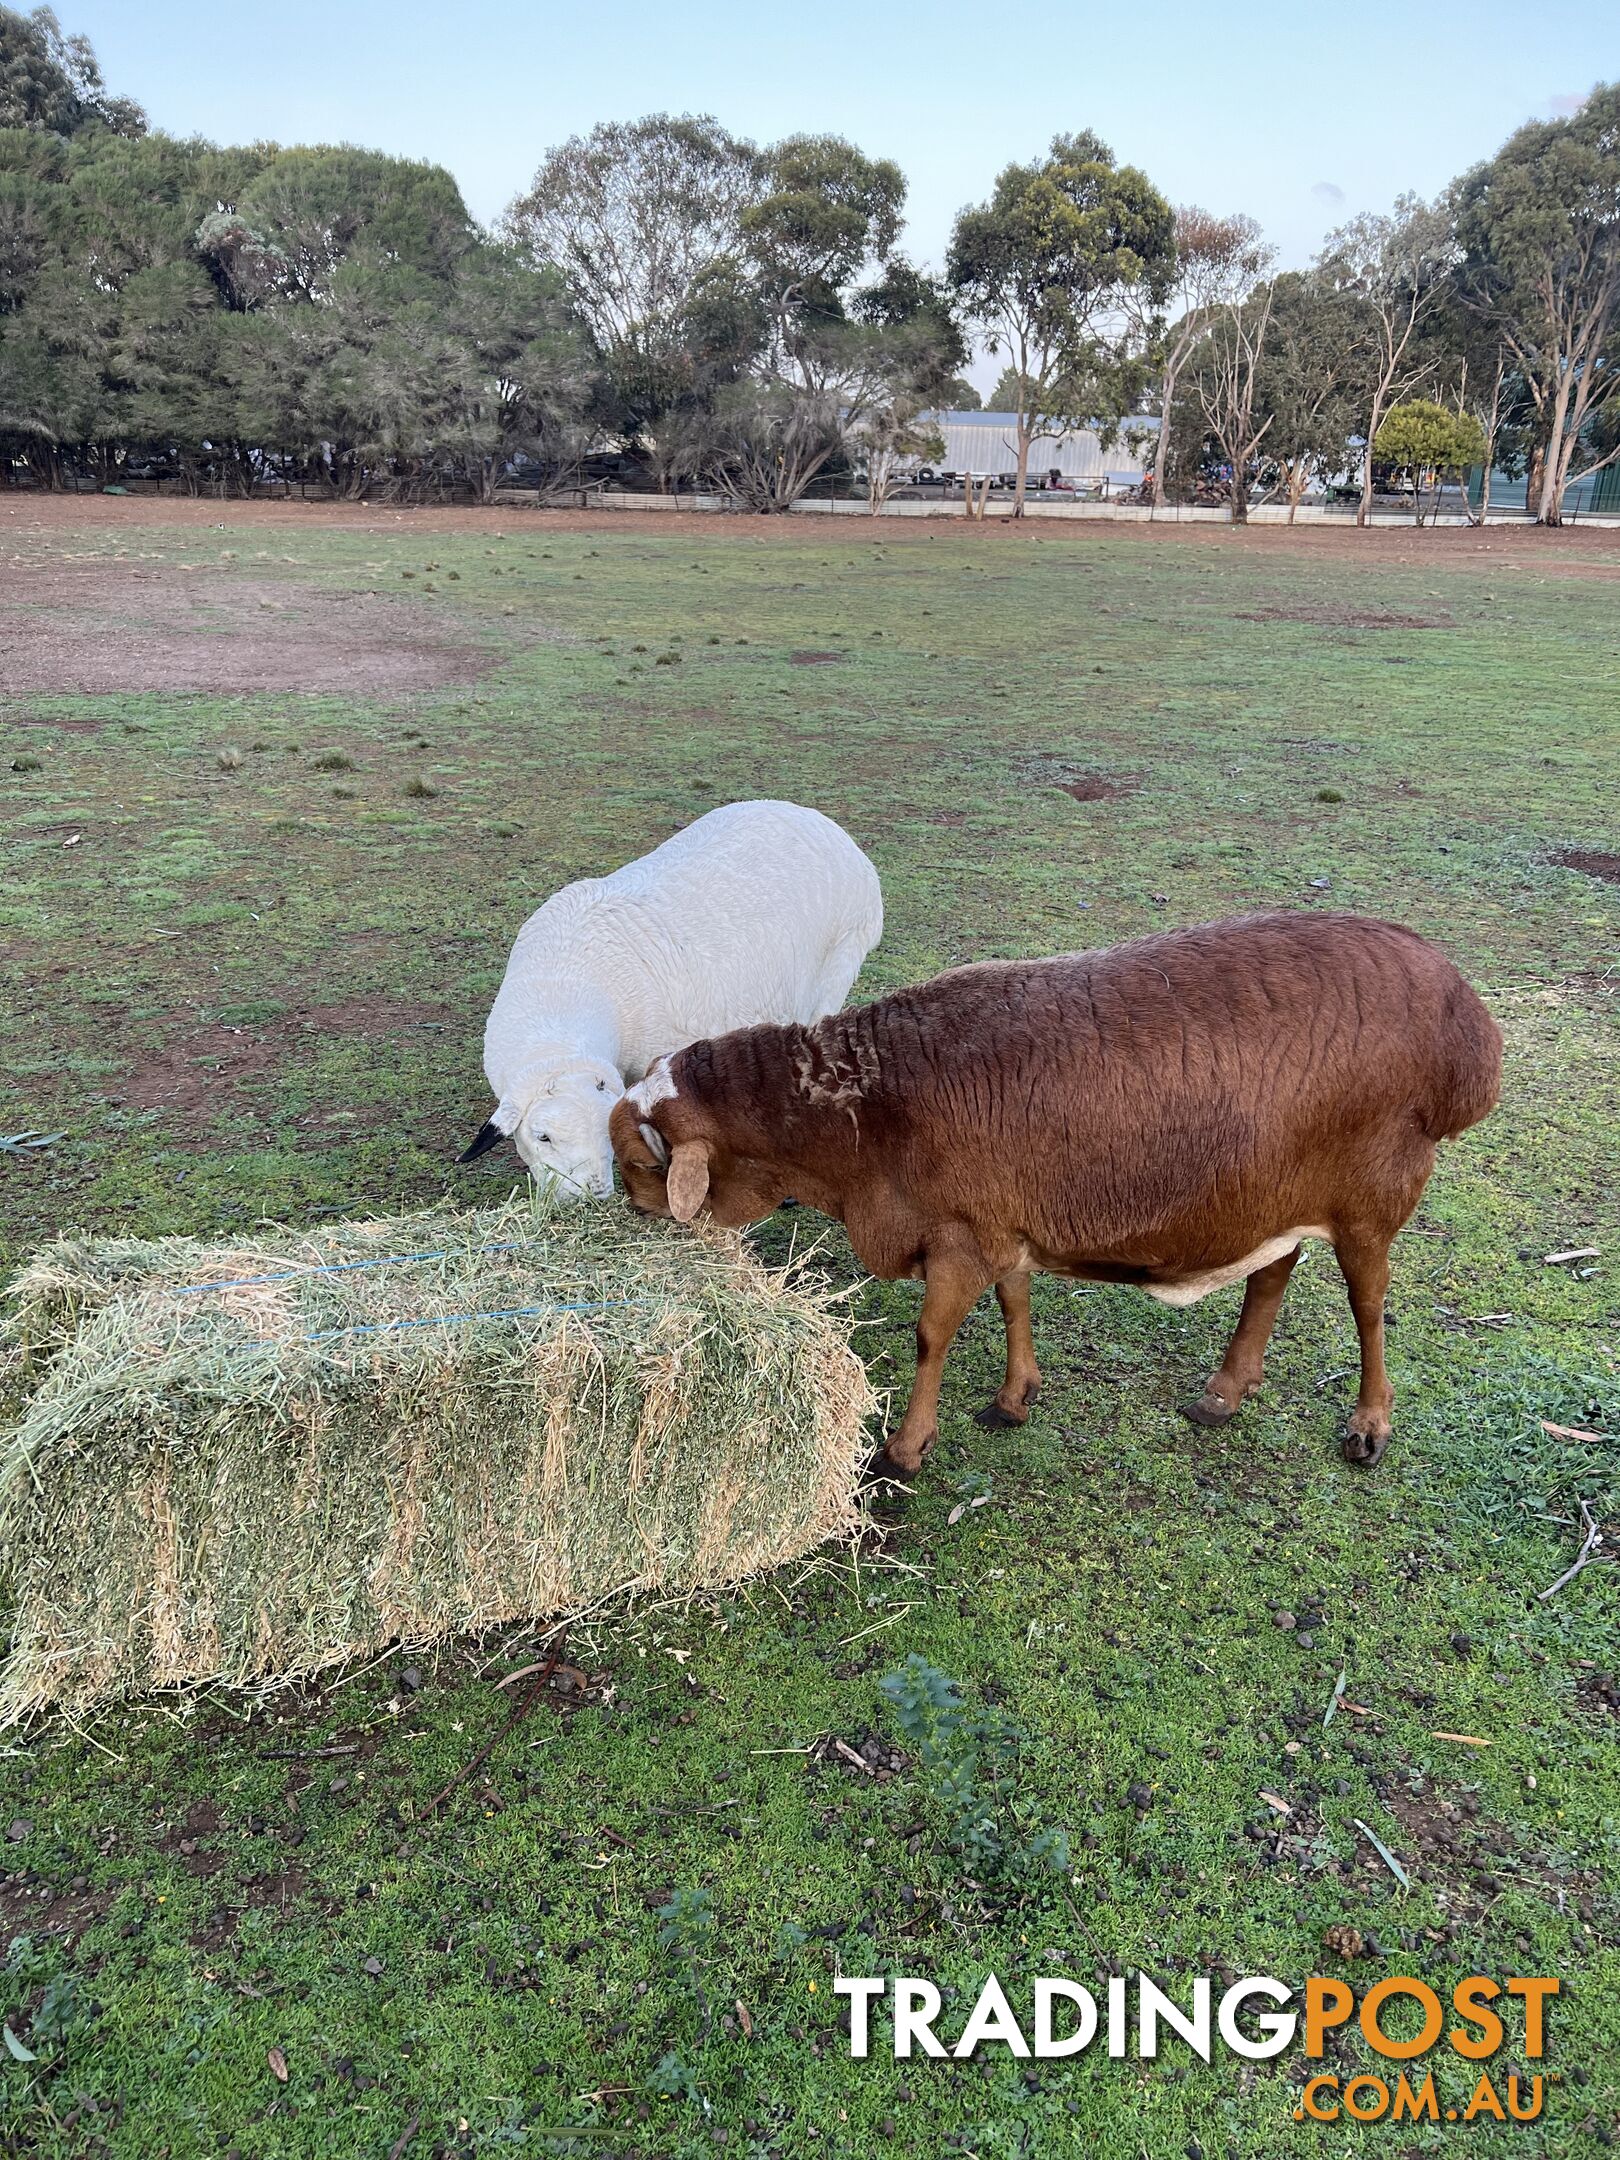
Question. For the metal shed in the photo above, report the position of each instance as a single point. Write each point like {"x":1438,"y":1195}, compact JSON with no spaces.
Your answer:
{"x":986,"y":442}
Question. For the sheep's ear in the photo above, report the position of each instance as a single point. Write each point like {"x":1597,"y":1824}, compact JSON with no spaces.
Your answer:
{"x":688,"y":1178}
{"x":489,"y":1136}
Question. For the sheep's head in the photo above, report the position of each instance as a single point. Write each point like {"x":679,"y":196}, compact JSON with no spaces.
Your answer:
{"x":672,"y":1162}
{"x":560,"y":1126}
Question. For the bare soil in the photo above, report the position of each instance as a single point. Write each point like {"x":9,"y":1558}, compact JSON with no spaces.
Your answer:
{"x":1592,"y":862}
{"x":103,"y":628}
{"x":1344,"y":618}
{"x":1079,"y":782}
{"x":194,"y":1070}
{"x":1573,"y":549}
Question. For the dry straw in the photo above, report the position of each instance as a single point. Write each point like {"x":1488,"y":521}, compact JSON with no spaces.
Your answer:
{"x":250,"y":1463}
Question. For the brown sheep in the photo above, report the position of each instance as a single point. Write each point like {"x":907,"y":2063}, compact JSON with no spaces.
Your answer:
{"x":1177,"y":1113}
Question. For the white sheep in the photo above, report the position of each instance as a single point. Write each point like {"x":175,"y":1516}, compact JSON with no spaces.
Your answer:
{"x":761,"y":911}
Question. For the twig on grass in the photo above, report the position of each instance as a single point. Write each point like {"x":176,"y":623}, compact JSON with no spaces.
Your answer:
{"x":519,"y":1713}
{"x":1590,"y":1550}
{"x":404,"y":2137}
{"x":1097,"y":1947}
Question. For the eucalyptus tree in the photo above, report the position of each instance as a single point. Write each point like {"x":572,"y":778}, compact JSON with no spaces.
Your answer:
{"x":1399,"y":267}
{"x":849,"y":341}
{"x":53,"y":82}
{"x":1309,"y":383}
{"x":1217,"y":261}
{"x":641,"y":219}
{"x":1228,"y":370}
{"x":1538,"y":227}
{"x":1045,"y":270}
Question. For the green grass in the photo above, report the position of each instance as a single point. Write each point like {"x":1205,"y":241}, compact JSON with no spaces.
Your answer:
{"x":244,"y":992}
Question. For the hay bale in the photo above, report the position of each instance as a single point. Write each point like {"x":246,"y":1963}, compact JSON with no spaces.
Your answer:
{"x":248,"y":1463}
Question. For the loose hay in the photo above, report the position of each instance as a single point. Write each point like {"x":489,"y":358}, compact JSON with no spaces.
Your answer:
{"x":248,"y":1463}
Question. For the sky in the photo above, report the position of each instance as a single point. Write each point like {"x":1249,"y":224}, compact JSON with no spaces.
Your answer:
{"x":1299,"y":114}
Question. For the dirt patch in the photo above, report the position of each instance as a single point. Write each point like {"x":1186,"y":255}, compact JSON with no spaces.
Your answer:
{"x":1450,"y":1844}
{"x":187,"y":1075}
{"x":1080,"y":782}
{"x":62,"y":726}
{"x":1583,"y":547}
{"x":90,"y":629}
{"x":190,"y":1074}
{"x":1591,"y":862}
{"x":29,"y":1906}
{"x":1346,"y":618}
{"x":1092,"y":787}
{"x":815,"y":659}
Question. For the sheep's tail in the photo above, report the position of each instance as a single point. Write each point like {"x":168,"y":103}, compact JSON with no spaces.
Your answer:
{"x":1468,"y":1072}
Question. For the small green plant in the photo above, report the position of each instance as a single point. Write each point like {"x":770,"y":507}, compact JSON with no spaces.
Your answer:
{"x":421,"y":790}
{"x":970,"y":1759}
{"x":1329,"y":794}
{"x":672,"y":2080}
{"x":686,"y":1932}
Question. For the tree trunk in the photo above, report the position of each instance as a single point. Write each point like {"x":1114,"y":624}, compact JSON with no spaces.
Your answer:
{"x":1025,"y":437}
{"x":1555,"y":462}
{"x":1161,"y":450}
{"x":1492,"y":427}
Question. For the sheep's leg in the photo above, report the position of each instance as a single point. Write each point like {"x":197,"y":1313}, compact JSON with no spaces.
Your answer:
{"x":1243,"y":1366}
{"x":1010,"y":1403}
{"x":954,"y":1286}
{"x":1364,"y":1263}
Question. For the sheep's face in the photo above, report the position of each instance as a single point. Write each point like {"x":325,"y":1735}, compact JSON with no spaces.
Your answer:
{"x":563,"y":1134}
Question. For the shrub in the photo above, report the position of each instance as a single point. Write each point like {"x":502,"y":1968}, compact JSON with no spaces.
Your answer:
{"x":970,"y":1759}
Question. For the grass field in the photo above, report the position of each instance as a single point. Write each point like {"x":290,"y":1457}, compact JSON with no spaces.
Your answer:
{"x":247,"y":940}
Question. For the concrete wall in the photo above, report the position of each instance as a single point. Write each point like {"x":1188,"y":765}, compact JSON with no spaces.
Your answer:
{"x":1036,"y":508}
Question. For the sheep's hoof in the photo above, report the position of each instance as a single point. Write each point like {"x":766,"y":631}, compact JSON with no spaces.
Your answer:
{"x":1210,"y":1409}
{"x":996,"y":1417}
{"x":1365,"y":1450}
{"x":882,"y":1469}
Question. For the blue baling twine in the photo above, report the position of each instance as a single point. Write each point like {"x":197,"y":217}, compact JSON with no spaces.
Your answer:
{"x":393,"y":1327}
{"x":344,"y":1267}
{"x":457,"y":1319}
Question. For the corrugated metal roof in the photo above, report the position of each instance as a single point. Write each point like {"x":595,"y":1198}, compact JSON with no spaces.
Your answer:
{"x":1148,"y":421}
{"x":987,"y":442}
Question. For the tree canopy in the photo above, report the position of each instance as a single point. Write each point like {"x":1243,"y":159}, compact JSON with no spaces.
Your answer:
{"x":1040,"y":268}
{"x":53,"y":82}
{"x":744,"y":316}
{"x":1538,"y":227}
